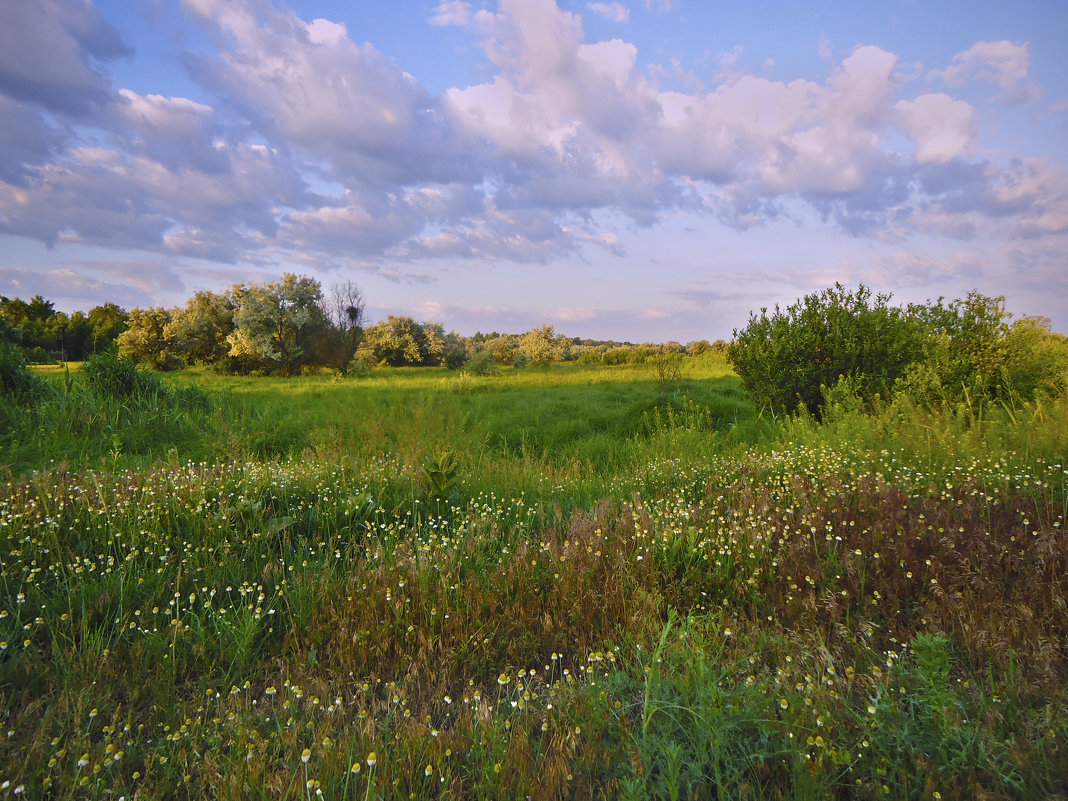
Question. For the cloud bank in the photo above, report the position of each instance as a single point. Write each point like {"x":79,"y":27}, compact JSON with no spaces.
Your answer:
{"x":315,"y":146}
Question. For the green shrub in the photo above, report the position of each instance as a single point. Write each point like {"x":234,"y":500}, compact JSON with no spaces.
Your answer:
{"x":454,"y":356}
{"x":481,"y":363}
{"x":787,"y":359}
{"x":17,"y":381}
{"x":360,"y":366}
{"x":118,"y":377}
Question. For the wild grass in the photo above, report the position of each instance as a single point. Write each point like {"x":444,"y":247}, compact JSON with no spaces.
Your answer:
{"x":558,"y":584}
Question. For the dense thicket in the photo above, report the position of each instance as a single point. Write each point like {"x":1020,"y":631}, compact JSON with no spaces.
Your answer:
{"x":842,"y":342}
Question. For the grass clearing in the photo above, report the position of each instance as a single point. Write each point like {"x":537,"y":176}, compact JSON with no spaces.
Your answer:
{"x":616,"y":591}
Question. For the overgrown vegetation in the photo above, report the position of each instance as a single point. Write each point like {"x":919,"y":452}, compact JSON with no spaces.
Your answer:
{"x":108,"y":414}
{"x":845,"y":342}
{"x":583,"y":581}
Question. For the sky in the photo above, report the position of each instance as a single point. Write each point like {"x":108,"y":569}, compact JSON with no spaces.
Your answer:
{"x":645,"y":171}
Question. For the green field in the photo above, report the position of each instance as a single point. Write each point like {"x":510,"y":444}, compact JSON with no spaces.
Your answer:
{"x":575,"y":581}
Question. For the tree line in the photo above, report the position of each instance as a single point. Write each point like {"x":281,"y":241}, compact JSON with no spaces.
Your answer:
{"x":291,"y":326}
{"x":45,"y":335}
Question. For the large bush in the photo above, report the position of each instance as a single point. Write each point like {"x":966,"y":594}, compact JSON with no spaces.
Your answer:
{"x":789,"y":358}
{"x":971,"y":353}
{"x":17,"y":381}
{"x":964,"y":351}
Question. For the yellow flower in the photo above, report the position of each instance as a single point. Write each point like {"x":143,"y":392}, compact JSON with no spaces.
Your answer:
{"x":372,"y":758}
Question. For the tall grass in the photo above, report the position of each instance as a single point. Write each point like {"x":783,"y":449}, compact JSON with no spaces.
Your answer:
{"x":377,"y":588}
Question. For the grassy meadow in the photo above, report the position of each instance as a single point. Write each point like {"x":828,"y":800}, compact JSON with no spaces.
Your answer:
{"x":576,"y":581}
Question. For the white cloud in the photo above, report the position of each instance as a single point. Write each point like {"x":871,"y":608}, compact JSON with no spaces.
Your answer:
{"x":613,"y":12}
{"x":1004,"y":64}
{"x":515,"y":167}
{"x":310,"y":85}
{"x":942,"y":127}
{"x":452,"y":12}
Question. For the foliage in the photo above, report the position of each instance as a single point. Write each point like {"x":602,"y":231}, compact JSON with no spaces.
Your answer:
{"x":788,"y":359}
{"x":275,"y":323}
{"x":398,"y":341}
{"x":454,"y":354}
{"x":106,"y":321}
{"x":542,"y":345}
{"x":17,"y":381}
{"x":117,"y":376}
{"x":47,"y":335}
{"x":147,"y":340}
{"x":200,"y":330}
{"x":481,"y":363}
{"x":972,"y":353}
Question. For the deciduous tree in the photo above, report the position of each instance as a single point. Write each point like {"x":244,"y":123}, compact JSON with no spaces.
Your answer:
{"x":275,"y":323}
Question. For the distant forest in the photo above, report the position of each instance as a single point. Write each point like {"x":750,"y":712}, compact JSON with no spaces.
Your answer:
{"x":293,"y":326}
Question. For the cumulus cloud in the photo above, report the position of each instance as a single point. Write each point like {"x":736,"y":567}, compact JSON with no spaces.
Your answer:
{"x":1004,"y":64}
{"x":942,"y":127}
{"x":516,"y":166}
{"x":308,"y":84}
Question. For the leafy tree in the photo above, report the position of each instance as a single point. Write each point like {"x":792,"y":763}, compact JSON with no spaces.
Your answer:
{"x":481,"y":362}
{"x":73,"y":335}
{"x":789,"y":358}
{"x":541,"y":345}
{"x":398,"y":341}
{"x":145,"y":339}
{"x":697,"y":347}
{"x":454,"y":354}
{"x":276,"y":323}
{"x":107,"y":321}
{"x":9,"y":332}
{"x":504,"y":347}
{"x":200,"y":330}
{"x":34,"y":322}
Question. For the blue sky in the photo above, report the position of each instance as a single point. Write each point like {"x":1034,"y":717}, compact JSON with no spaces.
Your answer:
{"x":649,"y":170}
